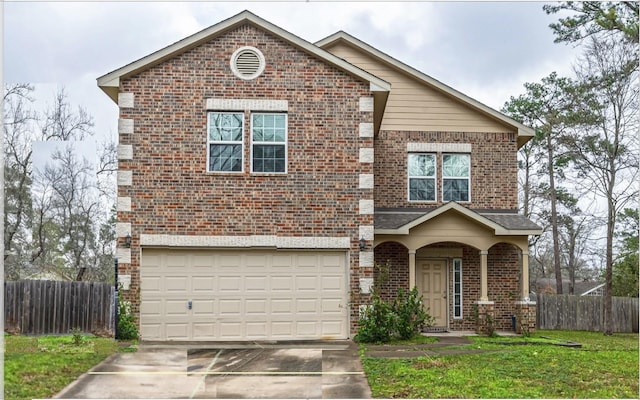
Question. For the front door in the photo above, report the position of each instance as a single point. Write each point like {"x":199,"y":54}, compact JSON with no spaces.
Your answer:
{"x":431,"y":278}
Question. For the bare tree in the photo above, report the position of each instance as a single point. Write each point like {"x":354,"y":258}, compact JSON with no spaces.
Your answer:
{"x":18,"y":123}
{"x":606,"y":153}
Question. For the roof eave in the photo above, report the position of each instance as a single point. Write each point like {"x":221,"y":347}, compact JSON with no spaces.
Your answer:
{"x":498,"y":229}
{"x":111,"y":80}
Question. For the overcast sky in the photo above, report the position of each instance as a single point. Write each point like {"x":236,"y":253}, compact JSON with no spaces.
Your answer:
{"x":486,"y":50}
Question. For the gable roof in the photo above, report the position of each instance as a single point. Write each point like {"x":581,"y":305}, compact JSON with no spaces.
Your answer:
{"x":524,"y":132}
{"x":401,"y":221}
{"x":110,"y":82}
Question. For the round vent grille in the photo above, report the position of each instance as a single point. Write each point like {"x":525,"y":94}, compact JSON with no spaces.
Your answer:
{"x":247,"y":63}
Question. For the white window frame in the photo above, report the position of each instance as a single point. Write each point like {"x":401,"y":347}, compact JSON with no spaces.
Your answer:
{"x":468,"y":178}
{"x":285,"y":143}
{"x":225,"y":142}
{"x":457,"y":288}
{"x":434,"y":178}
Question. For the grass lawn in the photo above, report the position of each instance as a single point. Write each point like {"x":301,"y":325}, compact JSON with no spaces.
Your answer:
{"x":39,"y":367}
{"x":604,"y":367}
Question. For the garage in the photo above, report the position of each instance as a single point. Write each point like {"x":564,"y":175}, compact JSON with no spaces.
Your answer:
{"x":229,"y":295}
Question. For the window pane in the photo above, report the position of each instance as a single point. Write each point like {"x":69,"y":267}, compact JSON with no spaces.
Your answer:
{"x":269,"y":128}
{"x":268,"y":158}
{"x":422,"y":164}
{"x":456,"y":165}
{"x":422,"y":189}
{"x":455,"y":189}
{"x":225,"y":127}
{"x":225,"y":157}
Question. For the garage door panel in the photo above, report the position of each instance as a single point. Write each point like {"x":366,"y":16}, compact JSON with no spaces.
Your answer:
{"x":204,"y":330}
{"x":308,"y":283}
{"x":229,"y":284}
{"x":176,"y":284}
{"x":151,"y":284}
{"x":151,"y":308}
{"x":281,"y":283}
{"x":203,"y":284}
{"x":240,"y":295}
{"x":230,"y":307}
{"x":176,"y":307}
{"x":176,"y":331}
{"x":281,"y":306}
{"x":202,"y":308}
{"x":255,"y":284}
{"x":256,"y":307}
{"x":306,"y":306}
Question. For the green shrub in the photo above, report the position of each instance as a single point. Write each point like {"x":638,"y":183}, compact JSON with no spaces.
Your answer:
{"x":77,"y":337}
{"x":127,"y":328}
{"x":411,"y":316}
{"x":382,"y":322}
{"x":377,"y":322}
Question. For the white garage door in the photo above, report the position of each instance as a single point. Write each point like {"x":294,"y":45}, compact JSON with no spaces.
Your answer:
{"x":243,"y":295}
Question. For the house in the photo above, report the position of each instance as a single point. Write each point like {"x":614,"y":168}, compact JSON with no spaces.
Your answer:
{"x":581,"y":288}
{"x":262,"y":178}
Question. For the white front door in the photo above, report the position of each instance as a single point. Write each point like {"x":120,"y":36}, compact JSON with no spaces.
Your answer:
{"x":431,"y":278}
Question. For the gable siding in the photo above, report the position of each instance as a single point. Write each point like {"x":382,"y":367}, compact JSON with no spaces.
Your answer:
{"x":171,"y":191}
{"x":414,"y":106}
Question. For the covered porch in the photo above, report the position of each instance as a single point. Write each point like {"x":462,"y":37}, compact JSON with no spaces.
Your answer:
{"x":471,"y":267}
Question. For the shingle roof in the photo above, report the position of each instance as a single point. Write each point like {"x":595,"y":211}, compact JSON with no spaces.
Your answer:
{"x":396,"y":218}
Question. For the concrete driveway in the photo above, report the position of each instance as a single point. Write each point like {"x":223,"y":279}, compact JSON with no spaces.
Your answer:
{"x":227,"y":370}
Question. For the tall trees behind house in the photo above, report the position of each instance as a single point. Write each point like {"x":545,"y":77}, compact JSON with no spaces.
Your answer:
{"x":553,"y":107}
{"x":58,"y":219}
{"x":586,"y":143}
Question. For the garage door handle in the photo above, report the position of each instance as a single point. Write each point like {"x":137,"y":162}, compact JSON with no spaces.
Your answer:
{"x":189,"y":305}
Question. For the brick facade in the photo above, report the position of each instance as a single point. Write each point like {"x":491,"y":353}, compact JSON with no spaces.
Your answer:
{"x":171,"y":191}
{"x":493,"y":168}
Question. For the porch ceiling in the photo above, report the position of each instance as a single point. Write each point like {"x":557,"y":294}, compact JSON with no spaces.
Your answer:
{"x":400,"y":220}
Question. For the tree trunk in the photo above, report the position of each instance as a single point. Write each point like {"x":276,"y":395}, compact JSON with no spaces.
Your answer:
{"x":554,"y":215}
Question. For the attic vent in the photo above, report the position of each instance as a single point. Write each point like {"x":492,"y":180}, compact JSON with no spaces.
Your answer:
{"x":247,"y":63}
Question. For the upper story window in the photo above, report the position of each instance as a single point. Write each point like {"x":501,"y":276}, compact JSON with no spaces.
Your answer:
{"x":422,"y":177}
{"x":225,"y":142}
{"x":269,"y":142}
{"x":456,"y":177}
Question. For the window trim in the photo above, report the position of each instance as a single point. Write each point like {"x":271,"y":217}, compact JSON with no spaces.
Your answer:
{"x":468,"y":178}
{"x":223,"y":142}
{"x":457,"y":262}
{"x":285,"y":143}
{"x":434,"y":177}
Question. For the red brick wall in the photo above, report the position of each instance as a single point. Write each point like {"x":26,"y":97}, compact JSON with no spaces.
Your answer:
{"x":494,"y":182}
{"x":173,"y":194}
{"x":391,"y":269}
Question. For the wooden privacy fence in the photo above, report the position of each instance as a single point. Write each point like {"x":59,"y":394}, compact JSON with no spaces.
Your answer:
{"x":56,"y":307}
{"x":585,"y":313}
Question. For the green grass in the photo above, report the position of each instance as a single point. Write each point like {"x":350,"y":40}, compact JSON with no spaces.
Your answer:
{"x":604,"y":367}
{"x":39,"y":367}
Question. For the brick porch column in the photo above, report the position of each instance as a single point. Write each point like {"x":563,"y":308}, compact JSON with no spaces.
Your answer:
{"x":525,"y":317}
{"x":486,"y":318}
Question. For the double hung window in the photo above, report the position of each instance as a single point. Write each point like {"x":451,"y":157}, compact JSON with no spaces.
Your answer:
{"x":455,"y":177}
{"x":422,"y":177}
{"x":269,"y":143}
{"x":225,"y":142}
